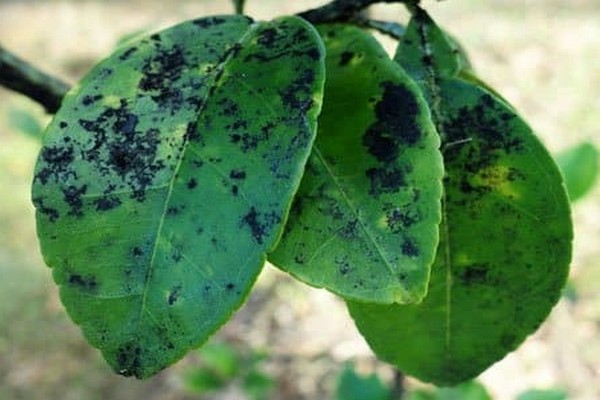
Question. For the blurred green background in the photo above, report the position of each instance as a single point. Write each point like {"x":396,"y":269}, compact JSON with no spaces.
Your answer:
{"x":292,"y":341}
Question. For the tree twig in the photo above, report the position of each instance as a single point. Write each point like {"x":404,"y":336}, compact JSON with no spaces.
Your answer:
{"x":392,"y":29}
{"x":343,"y":10}
{"x":22,"y":77}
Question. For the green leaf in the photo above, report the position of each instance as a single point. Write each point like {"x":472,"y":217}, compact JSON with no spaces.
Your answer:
{"x":257,"y":384}
{"x":470,"y":390}
{"x":426,"y":51}
{"x":221,"y":358}
{"x":364,"y":221}
{"x":504,"y":250}
{"x":25,"y":122}
{"x":168,"y":173}
{"x":579,"y":166}
{"x":353,"y":386}
{"x":550,"y":394}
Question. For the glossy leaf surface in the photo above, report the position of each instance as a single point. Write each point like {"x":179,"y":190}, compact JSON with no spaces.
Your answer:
{"x":504,"y":250}
{"x":364,"y":221}
{"x":166,"y":176}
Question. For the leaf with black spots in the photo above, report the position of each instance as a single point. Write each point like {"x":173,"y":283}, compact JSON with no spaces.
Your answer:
{"x":364,"y":222}
{"x":504,"y":251}
{"x":167,"y":175}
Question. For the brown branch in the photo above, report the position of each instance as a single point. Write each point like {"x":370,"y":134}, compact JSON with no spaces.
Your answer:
{"x":343,"y":10}
{"x":22,"y":77}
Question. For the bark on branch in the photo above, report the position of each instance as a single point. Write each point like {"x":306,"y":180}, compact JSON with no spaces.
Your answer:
{"x":18,"y":75}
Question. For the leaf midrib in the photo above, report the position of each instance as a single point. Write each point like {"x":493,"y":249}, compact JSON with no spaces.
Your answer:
{"x":353,"y":208}
{"x":218,"y":73}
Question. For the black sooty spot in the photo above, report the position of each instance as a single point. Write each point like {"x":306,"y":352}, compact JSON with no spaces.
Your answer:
{"x":57,"y":164}
{"x":488,"y":127}
{"x":399,"y":219}
{"x":128,"y":53}
{"x":87,"y":283}
{"x":396,"y":125}
{"x":72,"y":196}
{"x":88,"y":100}
{"x":345,"y":58}
{"x":475,"y":274}
{"x":235,"y":174}
{"x":174,"y":295}
{"x":260,"y":224}
{"x":107,"y":203}
{"x":385,"y":180}
{"x":267,"y":37}
{"x":128,"y":358}
{"x":211,"y":21}
{"x":410,"y":247}
{"x":192,"y":183}
{"x":50,"y":212}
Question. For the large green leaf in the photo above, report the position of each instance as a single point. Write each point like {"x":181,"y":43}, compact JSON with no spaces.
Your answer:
{"x":505,"y":242}
{"x":365,"y":220}
{"x":166,"y":176}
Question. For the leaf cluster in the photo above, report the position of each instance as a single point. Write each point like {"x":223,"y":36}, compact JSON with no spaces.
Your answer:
{"x":405,"y":185}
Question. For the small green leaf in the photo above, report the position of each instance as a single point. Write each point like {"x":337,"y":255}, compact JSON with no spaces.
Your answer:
{"x":25,"y":122}
{"x":364,"y":221}
{"x":353,"y":386}
{"x":221,"y":358}
{"x":167,"y":175}
{"x":426,"y":51}
{"x":550,"y":394}
{"x":471,"y":390}
{"x":504,"y":250}
{"x":257,"y":384}
{"x":579,"y":166}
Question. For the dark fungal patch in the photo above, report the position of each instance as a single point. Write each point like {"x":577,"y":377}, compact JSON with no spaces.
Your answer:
{"x":50,"y":212}
{"x":174,"y":295}
{"x":400,"y":219}
{"x":209,"y":22}
{"x":159,"y":72}
{"x":129,"y":361}
{"x":294,"y":95}
{"x":260,"y":224}
{"x":130,"y":155}
{"x":128,"y":53}
{"x":107,"y":203}
{"x":192,"y":183}
{"x":57,"y":164}
{"x":475,"y":274}
{"x":267,"y":37}
{"x":88,"y":100}
{"x":410,"y":247}
{"x":87,"y":283}
{"x":396,"y":125}
{"x":345,"y":58}
{"x":488,"y":127}
{"x":385,"y":180}
{"x":72,"y":196}
{"x":230,"y":286}
{"x":237,"y":174}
